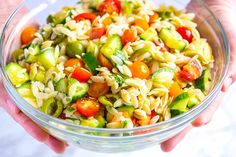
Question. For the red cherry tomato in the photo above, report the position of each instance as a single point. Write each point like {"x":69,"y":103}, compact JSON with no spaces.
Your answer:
{"x":97,"y":33}
{"x":27,"y":35}
{"x":185,"y":33}
{"x":153,"y":114}
{"x":127,"y":37}
{"x":98,"y":89}
{"x":89,"y":16}
{"x":87,"y":107}
{"x":186,"y":75}
{"x":110,"y":6}
{"x":81,"y":74}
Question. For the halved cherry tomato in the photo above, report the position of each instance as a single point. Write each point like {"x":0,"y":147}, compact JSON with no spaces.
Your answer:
{"x":89,"y":16}
{"x":142,"y":23}
{"x":175,"y":90}
{"x":74,"y":62}
{"x":186,"y":75}
{"x":134,"y":120}
{"x":110,"y":6}
{"x":98,"y":89}
{"x":97,"y":33}
{"x":153,"y":114}
{"x":185,"y":33}
{"x":87,"y":107}
{"x":27,"y":35}
{"x":127,"y":37}
{"x":153,"y":17}
{"x":104,"y":62}
{"x":140,"y":70}
{"x":81,"y":74}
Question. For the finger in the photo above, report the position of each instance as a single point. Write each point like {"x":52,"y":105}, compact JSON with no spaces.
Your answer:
{"x":56,"y":145}
{"x":228,"y":82}
{"x":207,"y":115}
{"x":170,"y":144}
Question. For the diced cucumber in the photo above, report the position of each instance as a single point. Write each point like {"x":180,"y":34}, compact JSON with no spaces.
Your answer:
{"x":149,"y":34}
{"x":127,"y":8}
{"x":179,"y":105}
{"x":172,"y":39}
{"x":16,"y":73}
{"x":120,"y":57}
{"x":193,"y":101}
{"x":204,"y":82}
{"x":139,"y":53}
{"x":47,"y":58}
{"x":17,"y":53}
{"x":163,"y":76}
{"x":89,"y":122}
{"x":93,"y":48}
{"x":91,"y":62}
{"x":36,"y":74}
{"x":32,"y":57}
{"x":102,"y":121}
{"x":74,"y":48}
{"x":127,"y":111}
{"x":76,"y":89}
{"x":61,"y":85}
{"x":109,"y":48}
{"x":165,"y":14}
{"x":59,"y":18}
{"x":52,"y":107}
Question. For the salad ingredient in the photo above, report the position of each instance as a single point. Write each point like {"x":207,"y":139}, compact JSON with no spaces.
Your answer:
{"x":74,"y":62}
{"x":61,"y":86}
{"x":91,"y":62}
{"x":127,"y":37}
{"x":98,"y":89}
{"x":104,"y":62}
{"x":76,"y":89}
{"x":27,"y":35}
{"x":110,"y":6}
{"x":81,"y":74}
{"x":74,"y":48}
{"x":149,"y":34}
{"x":87,"y":107}
{"x":204,"y":82}
{"x":85,"y":16}
{"x":175,"y":90}
{"x":47,"y":58}
{"x":97,"y":33}
{"x":142,"y":23}
{"x":140,"y":70}
{"x":52,"y":107}
{"x":185,"y":33}
{"x":179,"y":105}
{"x":127,"y":111}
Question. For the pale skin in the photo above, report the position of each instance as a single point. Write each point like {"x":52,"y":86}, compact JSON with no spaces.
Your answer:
{"x":225,"y":11}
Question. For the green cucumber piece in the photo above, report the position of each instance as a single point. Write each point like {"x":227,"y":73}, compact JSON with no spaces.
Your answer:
{"x":120,"y":57}
{"x":90,"y":123}
{"x":17,"y":53}
{"x":76,"y":89}
{"x":126,"y":110}
{"x":193,"y":101}
{"x":127,"y":8}
{"x":180,"y":104}
{"x":102,"y":121}
{"x":172,"y":39}
{"x":163,"y":76}
{"x":109,"y":48}
{"x":204,"y":82}
{"x":47,"y":58}
{"x":91,"y":62}
{"x":36,"y":74}
{"x":93,"y":48}
{"x":149,"y":34}
{"x":16,"y":73}
{"x":52,"y":107}
{"x":32,"y":57}
{"x":59,"y":18}
{"x":74,"y":48}
{"x":165,"y":14}
{"x":61,"y":86}
{"x":139,"y":52}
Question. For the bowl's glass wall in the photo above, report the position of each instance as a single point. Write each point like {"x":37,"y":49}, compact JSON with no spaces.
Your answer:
{"x":107,"y":140}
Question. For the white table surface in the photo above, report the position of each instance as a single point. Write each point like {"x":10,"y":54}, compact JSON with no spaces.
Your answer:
{"x":217,"y":139}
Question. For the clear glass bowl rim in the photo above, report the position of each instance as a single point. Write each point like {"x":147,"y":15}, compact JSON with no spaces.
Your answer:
{"x":176,"y":120}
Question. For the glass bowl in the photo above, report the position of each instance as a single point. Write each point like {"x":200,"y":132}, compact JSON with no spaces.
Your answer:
{"x":113,"y":140}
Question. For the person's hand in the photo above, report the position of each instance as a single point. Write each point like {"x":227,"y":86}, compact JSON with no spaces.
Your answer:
{"x":226,"y":12}
{"x":5,"y":101}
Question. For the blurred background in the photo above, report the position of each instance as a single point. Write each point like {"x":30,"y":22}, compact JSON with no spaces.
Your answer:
{"x":216,"y":139}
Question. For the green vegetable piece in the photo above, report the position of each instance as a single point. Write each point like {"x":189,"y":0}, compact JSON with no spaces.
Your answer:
{"x":119,"y":79}
{"x":172,"y":39}
{"x":175,"y":113}
{"x":52,"y":107}
{"x":120,"y":57}
{"x":59,"y":18}
{"x":149,"y":34}
{"x":102,"y":121}
{"x":32,"y":57}
{"x":76,"y":89}
{"x":163,"y":76}
{"x":204,"y":82}
{"x":36,"y":74}
{"x":109,"y":48}
{"x":61,"y":86}
{"x":180,"y":103}
{"x":127,"y":8}
{"x":193,"y":101}
{"x":127,"y":110}
{"x":25,"y":91}
{"x":139,"y":53}
{"x":165,"y":14}
{"x":94,"y":4}
{"x":16,"y":73}
{"x":47,"y":58}
{"x":124,"y":123}
{"x":74,"y":48}
{"x":90,"y":123}
{"x":108,"y":100}
{"x":17,"y":54}
{"x":93,"y":48}
{"x":91,"y":62}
